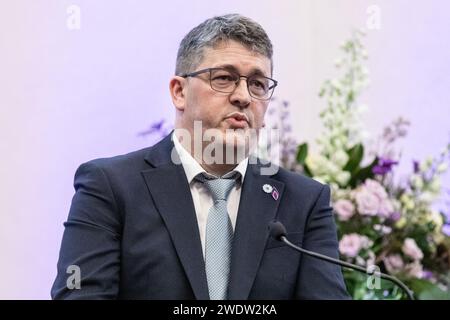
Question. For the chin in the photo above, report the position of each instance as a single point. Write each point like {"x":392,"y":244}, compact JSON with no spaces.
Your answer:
{"x":240,"y":141}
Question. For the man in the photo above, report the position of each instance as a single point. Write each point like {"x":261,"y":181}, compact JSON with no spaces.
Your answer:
{"x":175,"y":222}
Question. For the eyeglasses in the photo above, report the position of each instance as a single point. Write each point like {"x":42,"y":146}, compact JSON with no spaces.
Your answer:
{"x":226,"y":81}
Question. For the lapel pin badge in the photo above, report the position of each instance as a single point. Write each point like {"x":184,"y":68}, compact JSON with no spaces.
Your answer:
{"x":272,"y":190}
{"x":267,"y":188}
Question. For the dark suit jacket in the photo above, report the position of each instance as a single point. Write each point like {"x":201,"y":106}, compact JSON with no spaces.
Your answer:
{"x":133,"y":232}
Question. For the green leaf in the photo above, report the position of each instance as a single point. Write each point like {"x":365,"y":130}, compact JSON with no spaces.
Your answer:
{"x":434,"y":294}
{"x":425,"y":290}
{"x":302,"y":153}
{"x":306,"y":171}
{"x":350,"y":96}
{"x":362,"y":174}
{"x":355,"y":155}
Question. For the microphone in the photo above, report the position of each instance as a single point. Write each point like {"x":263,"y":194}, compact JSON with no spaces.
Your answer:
{"x":278,"y":232}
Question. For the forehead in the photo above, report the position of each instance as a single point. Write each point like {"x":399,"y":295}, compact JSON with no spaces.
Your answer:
{"x":237,"y":55}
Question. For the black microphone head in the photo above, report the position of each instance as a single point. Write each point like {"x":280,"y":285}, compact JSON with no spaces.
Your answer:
{"x":277,"y":230}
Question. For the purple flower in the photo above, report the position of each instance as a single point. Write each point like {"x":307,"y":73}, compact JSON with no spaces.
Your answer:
{"x":287,"y":128}
{"x":271,"y":111}
{"x":446,"y":229}
{"x":395,"y":216}
{"x":426,"y":274}
{"x":156,"y":127}
{"x":384,"y":166}
{"x":416,"y":166}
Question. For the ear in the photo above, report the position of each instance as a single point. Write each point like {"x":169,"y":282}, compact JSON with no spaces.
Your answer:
{"x":177,"y":92}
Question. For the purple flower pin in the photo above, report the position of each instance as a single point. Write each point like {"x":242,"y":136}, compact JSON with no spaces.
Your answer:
{"x":275,"y":193}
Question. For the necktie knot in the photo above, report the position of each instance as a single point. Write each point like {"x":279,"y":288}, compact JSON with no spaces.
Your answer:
{"x":219,"y":188}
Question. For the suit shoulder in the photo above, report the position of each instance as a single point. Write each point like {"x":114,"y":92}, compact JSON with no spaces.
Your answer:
{"x":134,"y":159}
{"x":298,"y":180}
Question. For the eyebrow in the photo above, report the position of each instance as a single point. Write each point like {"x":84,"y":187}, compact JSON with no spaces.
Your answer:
{"x":253,"y":71}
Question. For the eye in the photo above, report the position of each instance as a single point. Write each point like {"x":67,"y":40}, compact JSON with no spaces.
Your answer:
{"x":258,"y":84}
{"x":223,"y":77}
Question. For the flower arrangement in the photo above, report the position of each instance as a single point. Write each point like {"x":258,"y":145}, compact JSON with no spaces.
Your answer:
{"x":381,"y":222}
{"x":391,"y":224}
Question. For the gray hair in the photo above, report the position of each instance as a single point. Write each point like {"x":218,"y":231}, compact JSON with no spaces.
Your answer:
{"x":217,"y":29}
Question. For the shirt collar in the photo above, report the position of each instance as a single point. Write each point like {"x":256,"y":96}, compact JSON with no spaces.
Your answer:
{"x":192,"y":168}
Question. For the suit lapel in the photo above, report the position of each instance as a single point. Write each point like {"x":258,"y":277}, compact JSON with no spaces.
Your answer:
{"x":256,"y":209}
{"x":170,"y":191}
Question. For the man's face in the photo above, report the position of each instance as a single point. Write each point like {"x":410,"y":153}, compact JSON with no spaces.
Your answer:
{"x":224,"y":111}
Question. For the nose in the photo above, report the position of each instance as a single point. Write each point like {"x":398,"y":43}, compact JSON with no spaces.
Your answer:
{"x":240,"y":97}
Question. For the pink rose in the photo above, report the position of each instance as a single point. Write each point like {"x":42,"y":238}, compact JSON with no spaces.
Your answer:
{"x":351,"y":244}
{"x":376,"y":188}
{"x":367,"y":202}
{"x":415,"y":269}
{"x":411,"y":249}
{"x":393,"y":263}
{"x":372,"y":199}
{"x":344,"y":209}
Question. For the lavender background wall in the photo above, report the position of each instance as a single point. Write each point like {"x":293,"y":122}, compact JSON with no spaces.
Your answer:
{"x":68,"y":96}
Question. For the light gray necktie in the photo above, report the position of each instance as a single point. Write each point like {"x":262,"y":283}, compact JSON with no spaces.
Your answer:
{"x":219,"y":236}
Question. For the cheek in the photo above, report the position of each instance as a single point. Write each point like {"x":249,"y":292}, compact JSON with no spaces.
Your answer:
{"x":258,"y":114}
{"x":206,"y":107}
{"x":195,"y":103}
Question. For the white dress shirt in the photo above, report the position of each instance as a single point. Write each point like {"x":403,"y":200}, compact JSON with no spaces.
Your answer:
{"x":200,"y":194}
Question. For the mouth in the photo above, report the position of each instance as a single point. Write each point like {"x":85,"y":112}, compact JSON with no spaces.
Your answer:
{"x":238,"y":120}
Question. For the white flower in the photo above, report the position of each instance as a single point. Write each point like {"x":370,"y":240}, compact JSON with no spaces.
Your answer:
{"x":386,"y":229}
{"x":343,"y":177}
{"x":426,"y":197}
{"x":425,"y":165}
{"x":340,"y":157}
{"x":437,"y":219}
{"x":435,"y":185}
{"x":313,"y":161}
{"x":442,"y":167}
{"x":417,"y":182}
{"x":383,"y":229}
{"x":335,"y":83}
{"x":339,"y":144}
{"x":329,"y":168}
{"x":407,"y":201}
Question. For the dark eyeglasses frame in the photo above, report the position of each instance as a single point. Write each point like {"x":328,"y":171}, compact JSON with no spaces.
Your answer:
{"x":210,"y":70}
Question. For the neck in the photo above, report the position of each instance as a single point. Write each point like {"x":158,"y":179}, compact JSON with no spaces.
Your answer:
{"x":217,"y":169}
{"x":216,"y":159}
